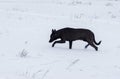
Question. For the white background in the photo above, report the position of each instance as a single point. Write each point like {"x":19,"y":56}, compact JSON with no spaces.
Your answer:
{"x":25,"y":28}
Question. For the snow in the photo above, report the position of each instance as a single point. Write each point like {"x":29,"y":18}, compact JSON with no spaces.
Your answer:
{"x":25,"y":28}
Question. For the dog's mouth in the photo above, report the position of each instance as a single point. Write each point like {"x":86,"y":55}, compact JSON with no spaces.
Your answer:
{"x":50,"y":41}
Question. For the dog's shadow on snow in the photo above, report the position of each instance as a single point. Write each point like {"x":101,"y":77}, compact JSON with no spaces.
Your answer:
{"x":74,"y":50}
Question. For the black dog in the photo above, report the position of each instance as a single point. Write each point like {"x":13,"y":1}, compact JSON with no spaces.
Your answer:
{"x":71,"y":34}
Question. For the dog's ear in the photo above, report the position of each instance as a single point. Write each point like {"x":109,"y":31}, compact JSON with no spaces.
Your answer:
{"x":53,"y":30}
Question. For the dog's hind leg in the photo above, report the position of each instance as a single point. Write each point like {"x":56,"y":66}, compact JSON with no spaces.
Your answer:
{"x":92,"y":44}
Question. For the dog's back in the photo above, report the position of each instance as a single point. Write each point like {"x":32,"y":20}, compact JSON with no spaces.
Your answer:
{"x":75,"y":34}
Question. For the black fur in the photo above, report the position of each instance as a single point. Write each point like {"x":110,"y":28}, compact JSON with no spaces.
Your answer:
{"x":72,"y":34}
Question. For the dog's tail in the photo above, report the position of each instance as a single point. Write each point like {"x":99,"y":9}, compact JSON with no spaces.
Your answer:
{"x":97,"y":43}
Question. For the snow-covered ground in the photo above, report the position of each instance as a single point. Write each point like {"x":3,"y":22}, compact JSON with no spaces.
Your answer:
{"x":25,"y":28}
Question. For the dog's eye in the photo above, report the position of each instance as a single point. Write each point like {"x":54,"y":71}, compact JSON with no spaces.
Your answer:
{"x":55,"y":34}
